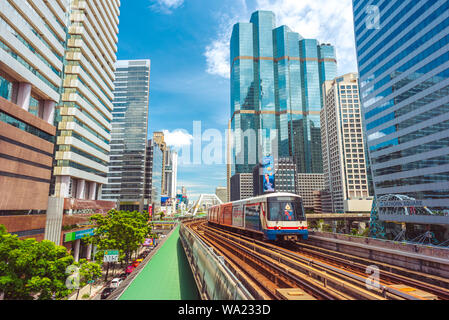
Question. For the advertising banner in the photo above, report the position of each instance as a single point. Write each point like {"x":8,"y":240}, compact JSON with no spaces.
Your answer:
{"x":268,"y":174}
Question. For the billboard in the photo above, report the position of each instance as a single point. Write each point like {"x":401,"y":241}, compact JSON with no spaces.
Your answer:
{"x":268,"y":174}
{"x":164,"y":200}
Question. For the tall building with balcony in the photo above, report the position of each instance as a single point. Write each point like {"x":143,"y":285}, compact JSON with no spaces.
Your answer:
{"x":32,"y":45}
{"x":84,"y":114}
{"x":308,"y":184}
{"x":344,"y":162}
{"x":126,"y":177}
{"x":403,"y":59}
{"x":276,"y":97}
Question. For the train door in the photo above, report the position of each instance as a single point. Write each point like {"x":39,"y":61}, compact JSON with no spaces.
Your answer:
{"x":237,"y":216}
{"x":263,"y":215}
{"x":252,"y":217}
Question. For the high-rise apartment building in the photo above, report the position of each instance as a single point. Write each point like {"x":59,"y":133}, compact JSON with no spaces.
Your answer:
{"x":276,"y":78}
{"x":84,"y":114}
{"x":403,"y":60}
{"x":242,"y":186}
{"x":126,"y":177}
{"x":32,"y":44}
{"x":308,"y":184}
{"x":344,"y":162}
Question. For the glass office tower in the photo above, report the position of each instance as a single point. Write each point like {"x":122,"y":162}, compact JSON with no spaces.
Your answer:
{"x":276,"y":98}
{"x":126,"y":177}
{"x":403,"y":58}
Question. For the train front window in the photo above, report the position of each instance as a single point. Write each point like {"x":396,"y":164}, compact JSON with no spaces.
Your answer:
{"x":285,"y":209}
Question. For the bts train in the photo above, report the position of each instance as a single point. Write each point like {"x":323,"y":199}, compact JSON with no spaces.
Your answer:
{"x":275,"y":216}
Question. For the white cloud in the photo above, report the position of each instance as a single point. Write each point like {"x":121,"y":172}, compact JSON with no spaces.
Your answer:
{"x":324,"y":20}
{"x":217,"y":58}
{"x":165,"y":6}
{"x":177,"y":138}
{"x":217,"y":52}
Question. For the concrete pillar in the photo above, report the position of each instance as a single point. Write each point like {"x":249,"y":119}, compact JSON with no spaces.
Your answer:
{"x":92,"y":191}
{"x":64,"y":185}
{"x":80,"y":194}
{"x":22,"y":94}
{"x":49,"y":111}
{"x":54,"y":217}
{"x":89,"y":251}
{"x":76,"y":250}
{"x":347,"y":227}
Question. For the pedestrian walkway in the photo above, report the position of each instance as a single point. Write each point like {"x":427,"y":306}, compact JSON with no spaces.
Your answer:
{"x":167,"y":276}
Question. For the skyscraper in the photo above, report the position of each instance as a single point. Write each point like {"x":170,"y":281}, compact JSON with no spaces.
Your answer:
{"x":343,"y":146}
{"x":84,"y":114}
{"x":32,"y":42}
{"x":403,"y":54}
{"x":159,"y":139}
{"x":171,"y":172}
{"x":126,"y":177}
{"x":276,"y":79}
{"x":153,"y":176}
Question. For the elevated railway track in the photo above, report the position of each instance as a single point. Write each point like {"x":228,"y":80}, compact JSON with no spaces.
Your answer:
{"x":297,"y":271}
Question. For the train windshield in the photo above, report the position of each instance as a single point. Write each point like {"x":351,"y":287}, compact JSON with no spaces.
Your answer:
{"x":285,"y":209}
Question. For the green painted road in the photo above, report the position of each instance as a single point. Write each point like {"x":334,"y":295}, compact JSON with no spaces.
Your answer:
{"x":167,"y":276}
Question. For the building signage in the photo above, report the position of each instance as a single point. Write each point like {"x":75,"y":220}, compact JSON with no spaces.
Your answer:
{"x":400,"y":204}
{"x":72,"y":236}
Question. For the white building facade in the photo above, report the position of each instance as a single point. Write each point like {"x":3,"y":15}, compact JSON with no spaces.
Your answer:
{"x":344,"y":160}
{"x":85,"y":112}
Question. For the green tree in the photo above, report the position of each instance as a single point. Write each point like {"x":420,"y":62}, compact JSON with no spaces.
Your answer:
{"x":88,"y":271}
{"x":121,"y":230}
{"x":30,"y":269}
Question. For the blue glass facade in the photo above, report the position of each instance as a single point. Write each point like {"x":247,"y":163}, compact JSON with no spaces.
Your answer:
{"x":404,"y":75}
{"x":276,"y":80}
{"x":126,"y":177}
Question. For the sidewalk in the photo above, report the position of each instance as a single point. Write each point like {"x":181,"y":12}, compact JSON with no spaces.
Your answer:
{"x":94,"y":290}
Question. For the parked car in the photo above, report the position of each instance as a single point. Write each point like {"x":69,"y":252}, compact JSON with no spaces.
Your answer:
{"x":143,"y":255}
{"x":129,"y":269}
{"x":115,"y":282}
{"x":123,"y":276}
{"x":106,"y":293}
{"x":137,"y":262}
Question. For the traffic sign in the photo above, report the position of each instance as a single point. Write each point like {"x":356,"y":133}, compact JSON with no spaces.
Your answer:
{"x":111,"y":256}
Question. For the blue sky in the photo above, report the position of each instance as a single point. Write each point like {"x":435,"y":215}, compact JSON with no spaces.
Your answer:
{"x":187,"y":42}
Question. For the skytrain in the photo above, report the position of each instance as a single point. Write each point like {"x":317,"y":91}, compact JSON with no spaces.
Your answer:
{"x":274,"y":216}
